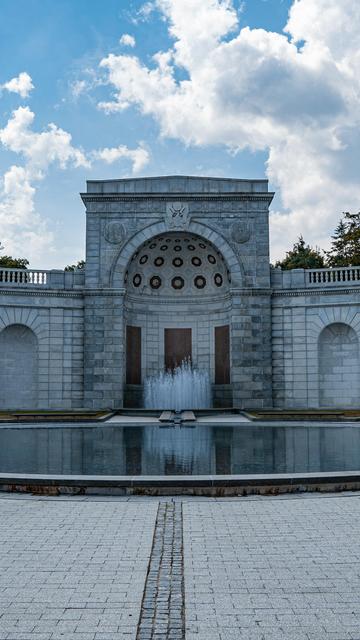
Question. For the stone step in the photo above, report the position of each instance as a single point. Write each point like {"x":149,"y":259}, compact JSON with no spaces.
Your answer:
{"x":188,"y":416}
{"x":166,"y":416}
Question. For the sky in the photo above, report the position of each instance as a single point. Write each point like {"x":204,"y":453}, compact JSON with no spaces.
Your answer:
{"x":116,"y":88}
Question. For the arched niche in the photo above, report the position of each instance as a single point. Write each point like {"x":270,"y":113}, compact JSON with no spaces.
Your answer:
{"x":18,"y":368}
{"x":177,"y":307}
{"x":339,"y":366}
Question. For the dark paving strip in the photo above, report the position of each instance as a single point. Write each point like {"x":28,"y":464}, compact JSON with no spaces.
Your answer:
{"x":162,"y":612}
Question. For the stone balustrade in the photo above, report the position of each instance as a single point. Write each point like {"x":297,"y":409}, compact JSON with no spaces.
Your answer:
{"x":309,"y":278}
{"x":41,"y":279}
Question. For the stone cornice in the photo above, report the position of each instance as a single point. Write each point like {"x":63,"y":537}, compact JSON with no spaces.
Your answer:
{"x":50,"y":293}
{"x":166,"y":197}
{"x":286,"y":293}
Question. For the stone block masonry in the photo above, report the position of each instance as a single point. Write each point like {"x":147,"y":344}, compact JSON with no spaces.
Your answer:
{"x":188,"y":254}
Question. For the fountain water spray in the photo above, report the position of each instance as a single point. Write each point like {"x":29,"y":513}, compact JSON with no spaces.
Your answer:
{"x":183,"y":388}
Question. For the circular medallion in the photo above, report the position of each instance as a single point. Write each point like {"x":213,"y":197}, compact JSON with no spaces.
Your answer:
{"x":191,"y":247}
{"x":196,"y":261}
{"x":114,"y":232}
{"x":240,"y":232}
{"x":218,"y":279}
{"x":211,"y":259}
{"x":163,"y":247}
{"x":158,"y":262}
{"x":153,"y":245}
{"x":177,"y":282}
{"x":178,"y":262}
{"x":202,"y":245}
{"x":177,"y":247}
{"x":137,"y":280}
{"x":155,"y":282}
{"x":199,"y":282}
{"x":143,"y":259}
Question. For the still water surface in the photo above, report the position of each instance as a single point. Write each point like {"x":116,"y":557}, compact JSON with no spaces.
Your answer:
{"x":154,"y":450}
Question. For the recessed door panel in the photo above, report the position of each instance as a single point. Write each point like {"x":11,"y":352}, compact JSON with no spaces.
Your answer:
{"x":133,"y":355}
{"x":177,"y":347}
{"x":222,"y":355}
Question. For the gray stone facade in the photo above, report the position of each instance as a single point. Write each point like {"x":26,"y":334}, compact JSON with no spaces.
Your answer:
{"x":181,"y":253}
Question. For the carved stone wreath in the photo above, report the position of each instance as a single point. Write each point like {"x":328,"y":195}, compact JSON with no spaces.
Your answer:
{"x":240,"y":232}
{"x":114,"y":232}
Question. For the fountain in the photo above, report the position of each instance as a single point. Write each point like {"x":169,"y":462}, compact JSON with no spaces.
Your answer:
{"x":181,"y":389}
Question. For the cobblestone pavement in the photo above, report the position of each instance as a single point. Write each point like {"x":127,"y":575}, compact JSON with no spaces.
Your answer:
{"x":71,"y":569}
{"x":115,"y":568}
{"x":273,"y":569}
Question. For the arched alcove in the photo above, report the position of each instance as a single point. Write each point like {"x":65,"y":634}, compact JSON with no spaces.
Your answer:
{"x":177,"y":307}
{"x":18,"y":368}
{"x":339,"y":366}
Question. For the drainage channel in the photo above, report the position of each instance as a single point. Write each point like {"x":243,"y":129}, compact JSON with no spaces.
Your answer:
{"x":162,"y":610}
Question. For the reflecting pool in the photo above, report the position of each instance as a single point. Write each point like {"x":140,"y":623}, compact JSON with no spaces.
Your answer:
{"x":157,"y":450}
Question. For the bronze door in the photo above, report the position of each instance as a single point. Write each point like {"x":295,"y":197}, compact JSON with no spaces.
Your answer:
{"x":222,"y":355}
{"x":133,"y":355}
{"x":177,"y":347}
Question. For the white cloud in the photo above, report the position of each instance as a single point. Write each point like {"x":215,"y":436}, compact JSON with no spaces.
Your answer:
{"x":40,"y":149}
{"x":127,"y":40}
{"x":21,"y":226}
{"x":23,"y":232}
{"x":22,"y":85}
{"x":139,"y":157}
{"x":295,"y":96}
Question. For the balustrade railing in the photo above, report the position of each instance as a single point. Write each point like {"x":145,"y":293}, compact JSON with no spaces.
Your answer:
{"x":23,"y":277}
{"x":45,"y":279}
{"x":333,"y":275}
{"x":310,"y":278}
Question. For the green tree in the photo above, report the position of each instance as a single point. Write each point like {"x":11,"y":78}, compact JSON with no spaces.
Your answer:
{"x":79,"y":265}
{"x":302,"y":256}
{"x":345,"y":242}
{"x":13,"y":263}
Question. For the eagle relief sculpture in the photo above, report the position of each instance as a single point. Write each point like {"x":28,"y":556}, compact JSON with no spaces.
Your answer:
{"x":177,"y":215}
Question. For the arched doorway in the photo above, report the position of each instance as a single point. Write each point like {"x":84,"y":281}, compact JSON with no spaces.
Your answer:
{"x":177,"y":308}
{"x":338,"y":366}
{"x":18,"y":368}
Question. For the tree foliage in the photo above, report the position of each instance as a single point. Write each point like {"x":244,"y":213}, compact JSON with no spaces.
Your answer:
{"x":302,"y":256}
{"x":345,"y":245}
{"x":73,"y":267}
{"x":13,"y":263}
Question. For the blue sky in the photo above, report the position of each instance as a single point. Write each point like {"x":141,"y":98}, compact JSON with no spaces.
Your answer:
{"x":60,"y":45}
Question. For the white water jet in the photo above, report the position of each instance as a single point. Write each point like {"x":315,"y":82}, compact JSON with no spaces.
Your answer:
{"x":183,"y":388}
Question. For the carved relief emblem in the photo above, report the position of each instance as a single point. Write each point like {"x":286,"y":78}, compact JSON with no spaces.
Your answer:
{"x":114,"y":232}
{"x":240,"y":232}
{"x":177,"y":215}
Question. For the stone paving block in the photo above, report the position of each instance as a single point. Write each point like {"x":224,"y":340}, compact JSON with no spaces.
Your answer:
{"x":53,"y":555}
{"x":279,"y":568}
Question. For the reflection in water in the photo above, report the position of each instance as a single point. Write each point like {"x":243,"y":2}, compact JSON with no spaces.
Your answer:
{"x":155,"y":450}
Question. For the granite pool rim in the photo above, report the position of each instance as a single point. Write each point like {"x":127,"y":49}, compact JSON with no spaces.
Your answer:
{"x":201,"y":485}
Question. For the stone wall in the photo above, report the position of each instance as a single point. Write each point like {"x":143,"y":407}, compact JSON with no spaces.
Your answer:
{"x":294,"y":339}
{"x":52,"y":360}
{"x":315,"y":334}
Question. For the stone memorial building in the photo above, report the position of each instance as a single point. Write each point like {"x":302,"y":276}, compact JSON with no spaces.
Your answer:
{"x":178,"y":268}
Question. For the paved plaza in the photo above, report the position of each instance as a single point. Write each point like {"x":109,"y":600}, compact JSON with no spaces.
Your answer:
{"x":107,"y":568}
